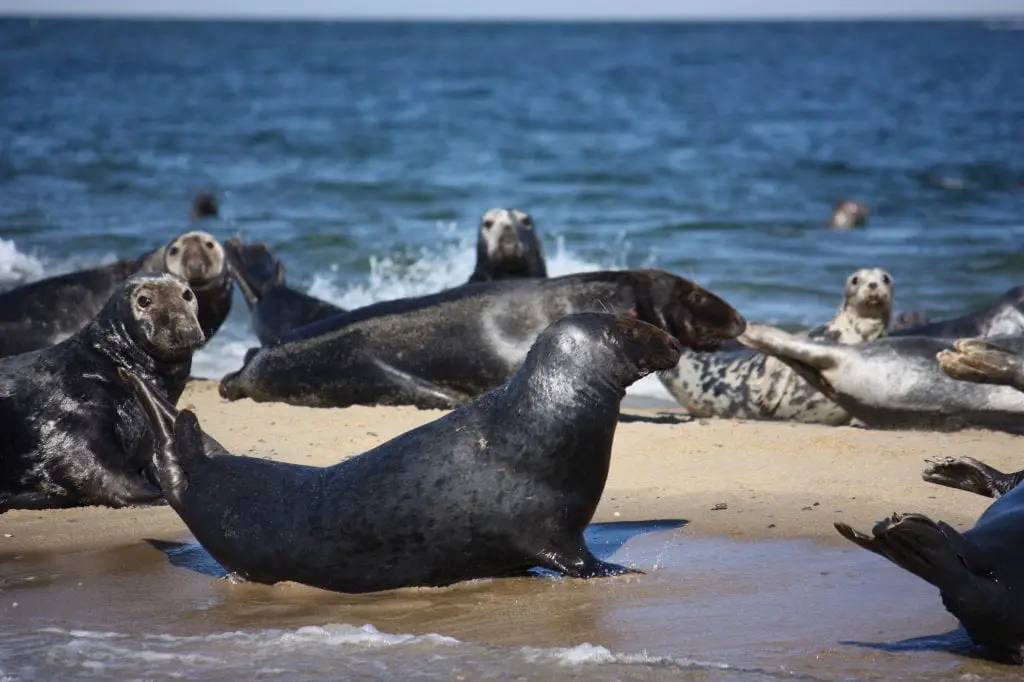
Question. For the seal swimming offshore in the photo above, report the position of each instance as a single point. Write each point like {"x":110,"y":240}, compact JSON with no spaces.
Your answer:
{"x":980,"y":572}
{"x":470,"y":495}
{"x":74,"y":434}
{"x":442,"y":350}
{"x":894,"y":382}
{"x":745,"y":384}
{"x":848,"y":213}
{"x":42,"y":313}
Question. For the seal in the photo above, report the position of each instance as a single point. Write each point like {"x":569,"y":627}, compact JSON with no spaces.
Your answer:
{"x":979,"y":573}
{"x":983,"y":362}
{"x":738,"y":383}
{"x":74,"y":434}
{"x":848,"y":213}
{"x":470,"y":495}
{"x":47,"y":311}
{"x":1002,"y":317}
{"x":508,"y":246}
{"x":442,"y":350}
{"x":908,"y":319}
{"x":894,"y":382}
{"x":205,"y":205}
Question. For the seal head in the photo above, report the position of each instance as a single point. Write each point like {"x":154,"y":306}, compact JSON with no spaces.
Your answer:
{"x":508,"y":246}
{"x":196,"y":257}
{"x":204,"y":206}
{"x":847,"y":214}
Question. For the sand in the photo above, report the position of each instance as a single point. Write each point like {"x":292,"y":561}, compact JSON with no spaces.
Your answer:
{"x":774,"y":480}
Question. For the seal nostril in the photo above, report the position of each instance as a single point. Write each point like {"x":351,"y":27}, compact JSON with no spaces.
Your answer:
{"x":188,"y":295}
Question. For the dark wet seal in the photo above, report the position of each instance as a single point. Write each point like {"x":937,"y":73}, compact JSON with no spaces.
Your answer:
{"x":979,"y":573}
{"x":205,"y":205}
{"x":469,"y":495}
{"x":895,"y":382}
{"x":74,"y":435}
{"x":1002,"y":317}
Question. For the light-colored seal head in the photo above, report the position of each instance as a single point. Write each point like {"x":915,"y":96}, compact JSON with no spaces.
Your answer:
{"x":198,"y":258}
{"x":159,"y":314}
{"x":866,"y":308}
{"x":847,"y":214}
{"x":508,"y":245}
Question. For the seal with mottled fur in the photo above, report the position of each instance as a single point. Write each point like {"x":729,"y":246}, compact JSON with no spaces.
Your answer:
{"x":894,"y":382}
{"x":744,"y":384}
{"x":442,"y":350}
{"x":980,"y":572}
{"x":848,"y":213}
{"x":497,"y":487}
{"x":73,"y":433}
{"x":508,"y":246}
{"x":1002,"y":317}
{"x":47,"y":311}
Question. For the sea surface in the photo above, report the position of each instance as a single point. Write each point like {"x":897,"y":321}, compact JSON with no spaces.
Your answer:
{"x":364,"y":155}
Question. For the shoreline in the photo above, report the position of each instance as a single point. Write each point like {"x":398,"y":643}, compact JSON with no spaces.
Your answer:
{"x":777,"y":480}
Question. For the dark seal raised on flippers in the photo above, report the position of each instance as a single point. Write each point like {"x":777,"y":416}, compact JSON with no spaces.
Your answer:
{"x":442,"y":350}
{"x":894,"y":382}
{"x":508,"y":246}
{"x":47,"y":311}
{"x":494,"y":488}
{"x":979,"y":573}
{"x":73,"y":433}
{"x":1002,"y":317}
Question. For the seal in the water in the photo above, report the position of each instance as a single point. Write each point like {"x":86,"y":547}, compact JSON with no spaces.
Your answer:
{"x":894,"y":382}
{"x":204,"y":206}
{"x":508,"y":246}
{"x":744,"y":384}
{"x":47,"y":311}
{"x":497,"y":487}
{"x":1003,"y":317}
{"x":979,"y":573}
{"x":73,"y":433}
{"x":442,"y":350}
{"x":848,"y":213}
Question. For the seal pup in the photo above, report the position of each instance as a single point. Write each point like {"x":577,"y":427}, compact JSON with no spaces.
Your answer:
{"x":738,"y":383}
{"x":979,"y":573}
{"x":508,"y":246}
{"x":205,"y":205}
{"x":442,"y":350}
{"x":47,"y":311}
{"x":1002,"y":317}
{"x":74,"y":434}
{"x":848,"y":213}
{"x":894,"y":382}
{"x":470,"y":495}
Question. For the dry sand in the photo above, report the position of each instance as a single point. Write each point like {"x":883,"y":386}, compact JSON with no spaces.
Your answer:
{"x":776,"y":480}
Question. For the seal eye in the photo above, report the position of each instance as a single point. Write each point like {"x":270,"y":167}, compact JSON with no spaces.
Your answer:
{"x":697,"y":298}
{"x":855,"y":280}
{"x":188,"y":295}
{"x":173,"y":250}
{"x":527,"y":222}
{"x":488,"y":224}
{"x":144,"y":301}
{"x":209,"y":245}
{"x":886,"y":280}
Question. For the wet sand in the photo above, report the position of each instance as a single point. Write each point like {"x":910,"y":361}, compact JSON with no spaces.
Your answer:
{"x":762,"y":585}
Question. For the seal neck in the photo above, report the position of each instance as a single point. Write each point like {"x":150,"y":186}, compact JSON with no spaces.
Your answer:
{"x":110,"y":339}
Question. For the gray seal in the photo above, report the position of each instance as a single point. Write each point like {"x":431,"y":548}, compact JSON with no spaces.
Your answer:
{"x":894,"y":382}
{"x":471,"y":495}
{"x":1002,"y":317}
{"x":979,"y":573}
{"x":982,"y":362}
{"x":442,"y":350}
{"x":848,"y":213}
{"x":908,"y":319}
{"x":74,"y":434}
{"x":739,"y":383}
{"x":47,"y":311}
{"x":508,"y":246}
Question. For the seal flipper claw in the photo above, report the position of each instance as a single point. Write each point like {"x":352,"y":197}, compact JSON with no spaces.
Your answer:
{"x":967,"y":473}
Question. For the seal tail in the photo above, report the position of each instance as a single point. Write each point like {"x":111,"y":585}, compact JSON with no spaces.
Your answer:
{"x":254,"y":267}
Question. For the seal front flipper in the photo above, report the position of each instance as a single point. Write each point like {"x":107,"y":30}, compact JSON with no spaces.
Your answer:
{"x":967,"y":473}
{"x":982,"y":362}
{"x":254,"y":268}
{"x":773,"y":341}
{"x":419,"y":392}
{"x":578,"y":562}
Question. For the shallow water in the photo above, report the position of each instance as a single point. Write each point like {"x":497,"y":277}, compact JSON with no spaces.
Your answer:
{"x":706,"y":609}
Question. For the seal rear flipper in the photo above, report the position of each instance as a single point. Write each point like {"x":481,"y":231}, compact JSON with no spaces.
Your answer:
{"x":967,"y":473}
{"x":416,"y":391}
{"x":982,"y":362}
{"x":254,"y":268}
{"x":773,"y":341}
{"x":579,"y":562}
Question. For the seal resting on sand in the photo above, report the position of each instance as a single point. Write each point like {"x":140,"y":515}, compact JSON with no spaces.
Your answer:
{"x":499,"y":486}
{"x":739,"y":383}
{"x":47,"y":311}
{"x":979,"y":573}
{"x":894,"y":382}
{"x":1002,"y":317}
{"x":442,"y":350}
{"x":73,"y":433}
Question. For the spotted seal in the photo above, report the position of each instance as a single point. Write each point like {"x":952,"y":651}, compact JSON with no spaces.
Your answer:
{"x":739,"y":383}
{"x":442,"y":350}
{"x":979,"y":573}
{"x":47,"y":311}
{"x":73,"y":432}
{"x":848,"y":213}
{"x":894,"y":382}
{"x":508,"y":246}
{"x":470,"y":495}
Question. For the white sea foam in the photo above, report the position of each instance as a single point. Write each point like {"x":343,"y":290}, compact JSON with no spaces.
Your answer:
{"x":17,"y":267}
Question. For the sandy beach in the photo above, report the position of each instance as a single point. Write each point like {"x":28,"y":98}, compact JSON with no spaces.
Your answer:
{"x":776,"y":480}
